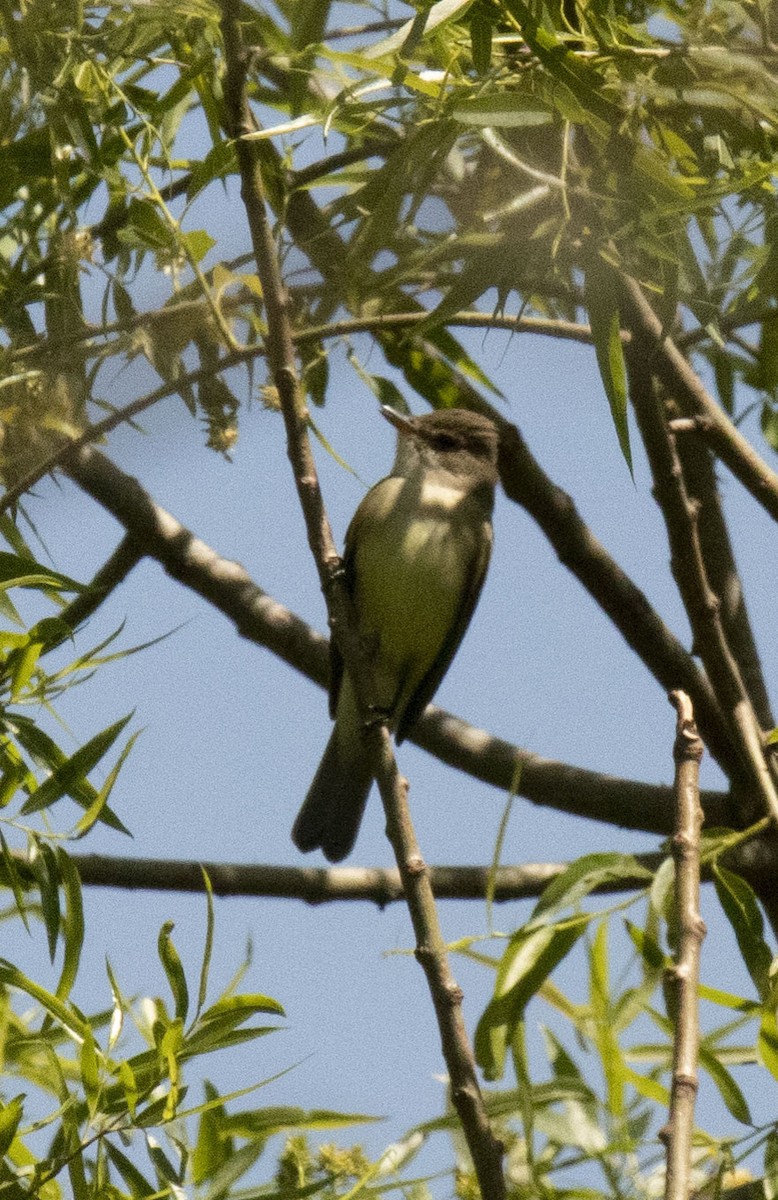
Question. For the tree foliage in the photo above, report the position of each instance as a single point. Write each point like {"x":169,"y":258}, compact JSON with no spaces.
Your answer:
{"x":603,"y":172}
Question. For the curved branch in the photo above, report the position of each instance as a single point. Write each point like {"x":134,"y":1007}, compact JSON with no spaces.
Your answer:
{"x":258,"y":617}
{"x":486,"y":1150}
{"x":682,"y":382}
{"x":689,"y":570}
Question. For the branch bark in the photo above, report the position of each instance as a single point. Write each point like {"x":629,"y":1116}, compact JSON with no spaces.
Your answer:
{"x":690,"y":572}
{"x":485,"y":1149}
{"x":685,"y":974}
{"x":264,"y":621}
{"x":682,"y":382}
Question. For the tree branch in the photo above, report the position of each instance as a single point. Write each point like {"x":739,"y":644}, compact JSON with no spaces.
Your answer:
{"x":485,"y":1149}
{"x":113,"y":572}
{"x":698,"y":472}
{"x":685,"y":974}
{"x":682,"y":382}
{"x":228,"y":587}
{"x":689,"y":570}
{"x":323,"y":885}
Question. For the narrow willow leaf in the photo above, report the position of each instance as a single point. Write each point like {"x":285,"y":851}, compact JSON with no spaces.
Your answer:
{"x":10,"y":1116}
{"x":45,"y":869}
{"x":66,"y":778}
{"x":770,"y":1181}
{"x":528,"y":961}
{"x":742,"y":911}
{"x":90,"y":1075}
{"x":208,"y":948}
{"x":213,"y":1147}
{"x":727,"y":1087}
{"x":503,"y":110}
{"x":14,"y":880}
{"x":174,"y":970}
{"x":481,"y":40}
{"x":602,"y":305}
{"x":767,"y":1043}
{"x":136,"y":1182}
{"x":65,"y":1014}
{"x":404,"y":40}
{"x":96,"y":809}
{"x":73,"y":923}
{"x":47,"y":754}
{"x":582,"y":877}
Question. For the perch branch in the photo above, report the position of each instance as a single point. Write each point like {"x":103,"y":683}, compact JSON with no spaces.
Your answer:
{"x":684,"y":976}
{"x":228,"y":587}
{"x":485,"y":1149}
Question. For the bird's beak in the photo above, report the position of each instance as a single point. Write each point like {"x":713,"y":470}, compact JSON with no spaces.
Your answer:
{"x":401,"y":422}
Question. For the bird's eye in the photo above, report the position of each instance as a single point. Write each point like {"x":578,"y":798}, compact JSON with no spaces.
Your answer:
{"x":444,"y":442}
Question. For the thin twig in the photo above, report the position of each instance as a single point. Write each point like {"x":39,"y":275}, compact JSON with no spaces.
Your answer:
{"x":717,"y":551}
{"x":685,"y":974}
{"x":486,"y":1151}
{"x":113,"y":572}
{"x":682,"y":382}
{"x":689,"y":570}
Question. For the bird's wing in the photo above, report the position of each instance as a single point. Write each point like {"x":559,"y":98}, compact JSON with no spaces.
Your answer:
{"x":390,"y":486}
{"x":429,"y":684}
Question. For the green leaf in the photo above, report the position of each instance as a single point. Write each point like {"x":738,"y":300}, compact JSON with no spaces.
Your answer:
{"x":45,"y":870}
{"x":742,"y":911}
{"x":213,"y":1146}
{"x":770,"y":1181}
{"x":10,"y":1116}
{"x":14,"y":880}
{"x":481,"y":40}
{"x":582,"y":877}
{"x":96,"y":809}
{"x":410,"y":33}
{"x":174,"y":970}
{"x":73,"y":923}
{"x":197,"y":243}
{"x":67,"y":1015}
{"x":47,"y":754}
{"x":208,"y":948}
{"x":70,"y":774}
{"x":137,"y":1183}
{"x":600,"y":295}
{"x":503,"y":110}
{"x":727,"y":1087}
{"x":90,"y":1076}
{"x":530,"y":958}
{"x":767,"y":1043}
{"x":17,"y":571}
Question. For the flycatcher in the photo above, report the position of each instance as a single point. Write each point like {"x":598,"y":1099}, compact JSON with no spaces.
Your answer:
{"x":416,"y":555}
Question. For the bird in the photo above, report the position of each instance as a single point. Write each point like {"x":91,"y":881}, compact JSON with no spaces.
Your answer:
{"x":416,"y":556}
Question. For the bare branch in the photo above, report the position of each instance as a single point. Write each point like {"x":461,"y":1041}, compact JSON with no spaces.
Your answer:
{"x":258,"y":617}
{"x":486,"y":1151}
{"x":323,"y":885}
{"x":113,"y":572}
{"x":685,"y":385}
{"x":689,"y":570}
{"x":684,"y":977}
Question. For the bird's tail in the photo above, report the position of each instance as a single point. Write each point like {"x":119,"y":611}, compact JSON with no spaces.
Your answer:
{"x":332,"y":811}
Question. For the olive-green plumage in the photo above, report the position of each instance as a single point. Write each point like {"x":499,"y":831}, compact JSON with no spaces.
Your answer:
{"x":416,"y":556}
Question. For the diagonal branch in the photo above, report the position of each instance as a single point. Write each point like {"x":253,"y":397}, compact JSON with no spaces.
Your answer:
{"x":228,"y":587}
{"x":682,"y":382}
{"x":485,"y":1149}
{"x":113,"y":572}
{"x":689,"y":570}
